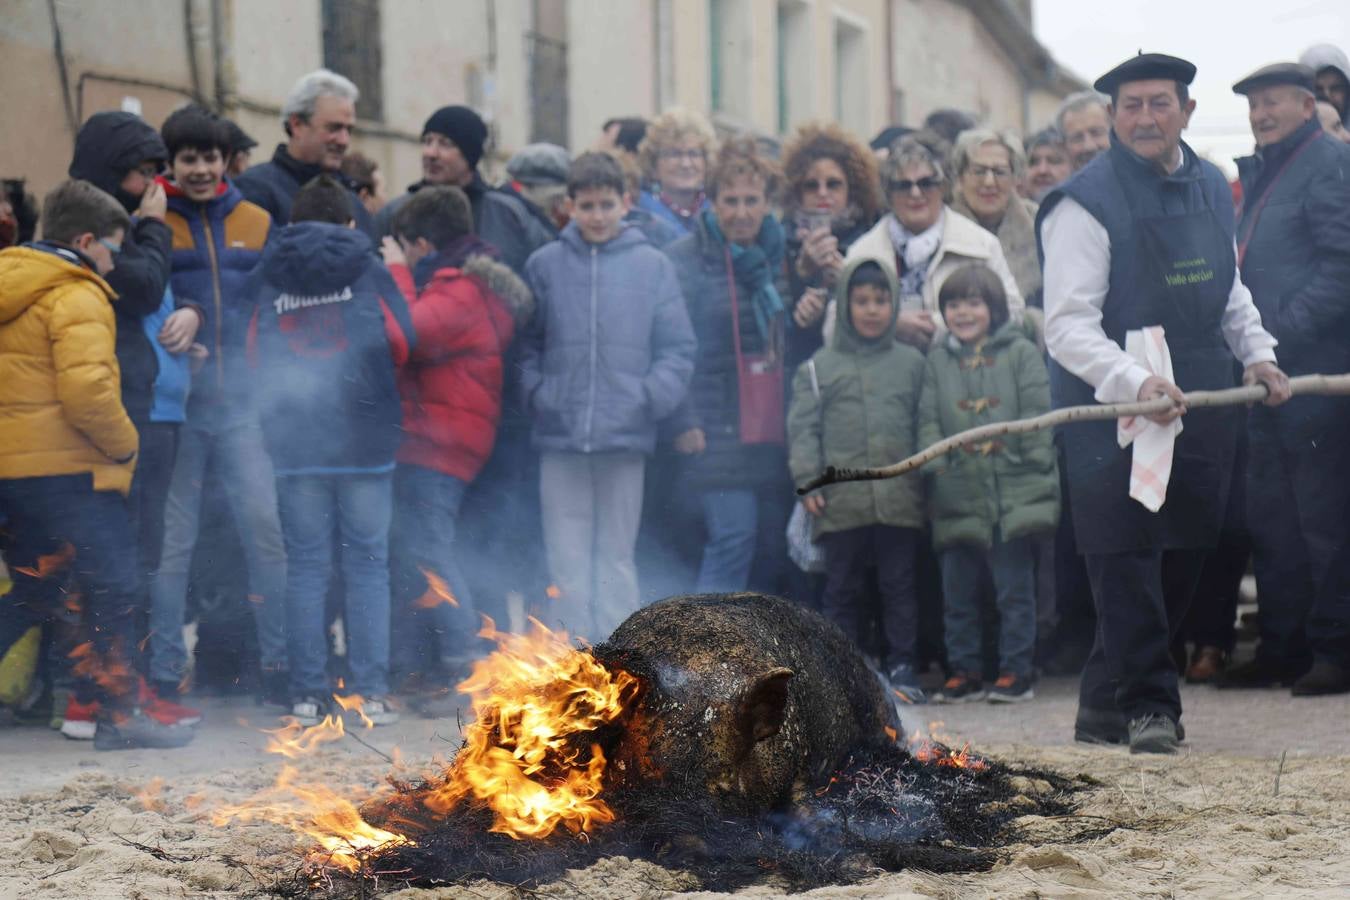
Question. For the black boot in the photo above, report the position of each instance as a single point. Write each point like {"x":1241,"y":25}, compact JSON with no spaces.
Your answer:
{"x":1323,"y":678}
{"x":1257,"y":673}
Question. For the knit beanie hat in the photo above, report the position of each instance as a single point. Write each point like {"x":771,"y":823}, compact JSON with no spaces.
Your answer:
{"x":463,"y":126}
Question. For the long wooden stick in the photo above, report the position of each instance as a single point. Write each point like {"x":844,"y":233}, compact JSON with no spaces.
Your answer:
{"x":1303,"y":385}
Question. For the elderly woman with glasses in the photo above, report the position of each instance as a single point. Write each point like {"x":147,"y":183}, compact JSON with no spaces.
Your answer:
{"x":989,"y":167}
{"x":833,"y":196}
{"x":674,"y":158}
{"x":925,"y":240}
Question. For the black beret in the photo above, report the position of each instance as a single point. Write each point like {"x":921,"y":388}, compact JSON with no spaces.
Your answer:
{"x":1145,"y":67}
{"x":1278,"y":73}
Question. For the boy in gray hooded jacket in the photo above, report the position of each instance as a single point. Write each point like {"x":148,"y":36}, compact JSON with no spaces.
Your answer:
{"x":609,"y":354}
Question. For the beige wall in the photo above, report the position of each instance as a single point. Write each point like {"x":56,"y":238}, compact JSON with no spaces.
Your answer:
{"x":436,"y":53}
{"x":945,"y":57}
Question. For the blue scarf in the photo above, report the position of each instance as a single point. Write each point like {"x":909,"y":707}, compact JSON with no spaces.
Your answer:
{"x":754,"y":267}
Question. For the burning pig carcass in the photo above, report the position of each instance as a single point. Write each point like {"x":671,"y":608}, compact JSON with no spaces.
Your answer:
{"x":748,"y":698}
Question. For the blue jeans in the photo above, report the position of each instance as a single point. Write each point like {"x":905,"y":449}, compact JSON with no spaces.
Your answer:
{"x":359,"y":507}
{"x":246,"y":469}
{"x":1013,"y":565}
{"x":45,"y":513}
{"x":426,"y":515}
{"x":732,"y":520}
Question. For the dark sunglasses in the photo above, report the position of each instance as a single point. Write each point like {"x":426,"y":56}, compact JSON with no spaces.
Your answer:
{"x":905,"y":186}
{"x":830,"y":184}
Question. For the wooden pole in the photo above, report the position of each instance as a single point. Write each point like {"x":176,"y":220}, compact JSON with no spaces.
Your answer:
{"x":1304,"y":385}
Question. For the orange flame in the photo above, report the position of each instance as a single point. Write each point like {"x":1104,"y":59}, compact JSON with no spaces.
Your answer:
{"x":318,"y":812}
{"x":526,"y":755}
{"x":355,"y":703}
{"x":553,"y":592}
{"x":293,"y":740}
{"x":108,"y":671}
{"x":151,"y":795}
{"x":934,"y":750}
{"x":51,"y":564}
{"x":438,"y":592}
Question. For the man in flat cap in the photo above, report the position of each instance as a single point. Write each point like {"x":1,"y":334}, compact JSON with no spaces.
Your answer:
{"x":1142,"y":299}
{"x":1294,"y":253}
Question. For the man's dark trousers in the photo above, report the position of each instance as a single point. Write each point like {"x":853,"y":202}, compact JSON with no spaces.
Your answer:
{"x":54,"y":509}
{"x":1298,"y":497}
{"x":1141,"y":598}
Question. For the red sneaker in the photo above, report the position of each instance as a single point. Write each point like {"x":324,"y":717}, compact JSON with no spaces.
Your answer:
{"x":78,"y":722}
{"x":167,"y":712}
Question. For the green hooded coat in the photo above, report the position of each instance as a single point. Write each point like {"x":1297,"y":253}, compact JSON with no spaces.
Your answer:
{"x":1008,"y":484}
{"x":866,"y":415}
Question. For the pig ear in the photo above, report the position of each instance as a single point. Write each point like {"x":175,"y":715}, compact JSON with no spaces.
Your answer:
{"x":765,"y":704}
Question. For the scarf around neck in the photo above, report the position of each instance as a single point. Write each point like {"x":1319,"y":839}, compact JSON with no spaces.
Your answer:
{"x":753,"y":267}
{"x":915,"y":250}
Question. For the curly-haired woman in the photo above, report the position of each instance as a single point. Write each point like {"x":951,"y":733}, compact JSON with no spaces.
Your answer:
{"x":730,"y":429}
{"x":833,"y":196}
{"x":674,"y":159}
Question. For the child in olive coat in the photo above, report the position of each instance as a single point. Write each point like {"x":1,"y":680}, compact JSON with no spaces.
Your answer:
{"x":987,"y":501}
{"x":855,"y":403}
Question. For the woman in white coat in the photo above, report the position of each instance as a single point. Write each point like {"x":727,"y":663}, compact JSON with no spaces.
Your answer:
{"x":926,"y":240}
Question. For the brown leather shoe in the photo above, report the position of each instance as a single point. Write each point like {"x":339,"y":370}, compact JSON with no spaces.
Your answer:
{"x":1207,"y":663}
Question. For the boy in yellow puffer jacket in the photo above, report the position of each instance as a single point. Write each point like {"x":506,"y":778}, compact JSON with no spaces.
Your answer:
{"x":68,"y":449}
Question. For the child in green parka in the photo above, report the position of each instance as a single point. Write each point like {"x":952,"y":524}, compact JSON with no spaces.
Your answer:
{"x":855,"y":403}
{"x":987,"y":501}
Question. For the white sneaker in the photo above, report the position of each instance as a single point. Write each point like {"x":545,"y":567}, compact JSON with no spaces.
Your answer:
{"x":379,"y":712}
{"x":308,"y":711}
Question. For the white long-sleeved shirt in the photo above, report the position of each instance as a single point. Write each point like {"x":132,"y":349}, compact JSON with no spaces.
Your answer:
{"x":1077,"y":278}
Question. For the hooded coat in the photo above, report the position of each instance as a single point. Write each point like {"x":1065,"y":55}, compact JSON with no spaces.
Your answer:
{"x":332,"y":328}
{"x":465,"y":315}
{"x":1006,"y":487}
{"x":60,"y":412}
{"x":108,"y":146}
{"x":1328,"y":56}
{"x":610,"y":351}
{"x":865,"y":416}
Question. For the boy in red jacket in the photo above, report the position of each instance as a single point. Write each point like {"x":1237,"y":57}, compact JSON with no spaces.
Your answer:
{"x":465,"y":307}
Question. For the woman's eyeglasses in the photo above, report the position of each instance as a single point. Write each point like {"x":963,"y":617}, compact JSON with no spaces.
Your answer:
{"x":674,"y":153}
{"x":811,"y":185}
{"x":1000,"y":173}
{"x":905,"y":186}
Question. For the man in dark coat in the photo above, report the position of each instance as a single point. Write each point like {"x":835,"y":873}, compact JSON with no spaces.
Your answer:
{"x":452,"y":144}
{"x":318,"y":116}
{"x":1294,"y":251}
{"x":1138,"y":245}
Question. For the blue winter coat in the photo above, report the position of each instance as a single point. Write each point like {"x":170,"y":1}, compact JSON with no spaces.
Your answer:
{"x":274,"y":184}
{"x":173,"y":376}
{"x":332,"y":327}
{"x":610,"y":350}
{"x":216,"y":246}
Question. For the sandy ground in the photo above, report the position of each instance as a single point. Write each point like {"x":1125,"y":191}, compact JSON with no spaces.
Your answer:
{"x":1224,"y":819}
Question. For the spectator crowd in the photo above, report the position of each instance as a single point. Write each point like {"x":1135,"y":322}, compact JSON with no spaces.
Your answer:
{"x":264,"y":429}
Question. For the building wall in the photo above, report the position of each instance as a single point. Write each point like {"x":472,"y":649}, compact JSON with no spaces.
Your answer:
{"x":479,"y":53}
{"x":945,"y":57}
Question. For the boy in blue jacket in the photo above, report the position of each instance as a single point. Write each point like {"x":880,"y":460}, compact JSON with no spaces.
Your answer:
{"x":217,"y":241}
{"x":609,"y":354}
{"x":331,"y":331}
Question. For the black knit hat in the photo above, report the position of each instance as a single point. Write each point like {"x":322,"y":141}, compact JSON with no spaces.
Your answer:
{"x":463,"y":126}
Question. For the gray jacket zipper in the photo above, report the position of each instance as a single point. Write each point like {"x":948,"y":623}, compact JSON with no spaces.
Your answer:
{"x":595,"y":316}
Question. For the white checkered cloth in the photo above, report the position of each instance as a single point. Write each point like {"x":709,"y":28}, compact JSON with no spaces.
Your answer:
{"x":1151,"y":467}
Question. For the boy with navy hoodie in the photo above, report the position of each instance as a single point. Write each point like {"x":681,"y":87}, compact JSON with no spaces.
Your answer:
{"x":609,"y":354}
{"x":331,"y":331}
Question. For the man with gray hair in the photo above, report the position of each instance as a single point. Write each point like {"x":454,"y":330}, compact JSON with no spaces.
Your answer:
{"x":1083,"y":120}
{"x":318,"y":116}
{"x":1293,"y":246}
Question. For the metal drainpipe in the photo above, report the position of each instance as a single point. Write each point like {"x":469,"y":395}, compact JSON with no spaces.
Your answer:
{"x":190,"y":41}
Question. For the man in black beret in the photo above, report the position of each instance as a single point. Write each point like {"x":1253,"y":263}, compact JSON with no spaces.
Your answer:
{"x":1294,"y":253}
{"x":1138,"y":251}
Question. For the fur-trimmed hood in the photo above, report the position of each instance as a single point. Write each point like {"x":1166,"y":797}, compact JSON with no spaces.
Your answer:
{"x":507,"y":285}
